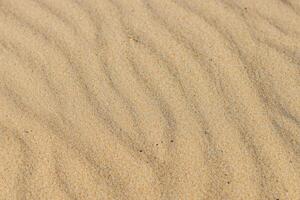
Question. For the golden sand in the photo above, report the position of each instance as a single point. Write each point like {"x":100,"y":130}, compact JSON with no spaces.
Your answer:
{"x":150,"y":99}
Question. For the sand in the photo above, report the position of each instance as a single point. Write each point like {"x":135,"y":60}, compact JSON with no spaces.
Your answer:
{"x":150,"y":99}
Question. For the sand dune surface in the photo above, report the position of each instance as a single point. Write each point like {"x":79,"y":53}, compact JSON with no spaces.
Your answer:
{"x":149,"y":100}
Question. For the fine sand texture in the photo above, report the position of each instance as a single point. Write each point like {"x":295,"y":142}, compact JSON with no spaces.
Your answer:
{"x":149,"y":100}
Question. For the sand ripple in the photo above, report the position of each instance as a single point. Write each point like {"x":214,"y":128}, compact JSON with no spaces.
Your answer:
{"x":150,"y":99}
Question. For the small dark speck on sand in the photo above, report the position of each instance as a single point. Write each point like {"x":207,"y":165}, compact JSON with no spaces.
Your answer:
{"x":172,"y":141}
{"x":141,"y":150}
